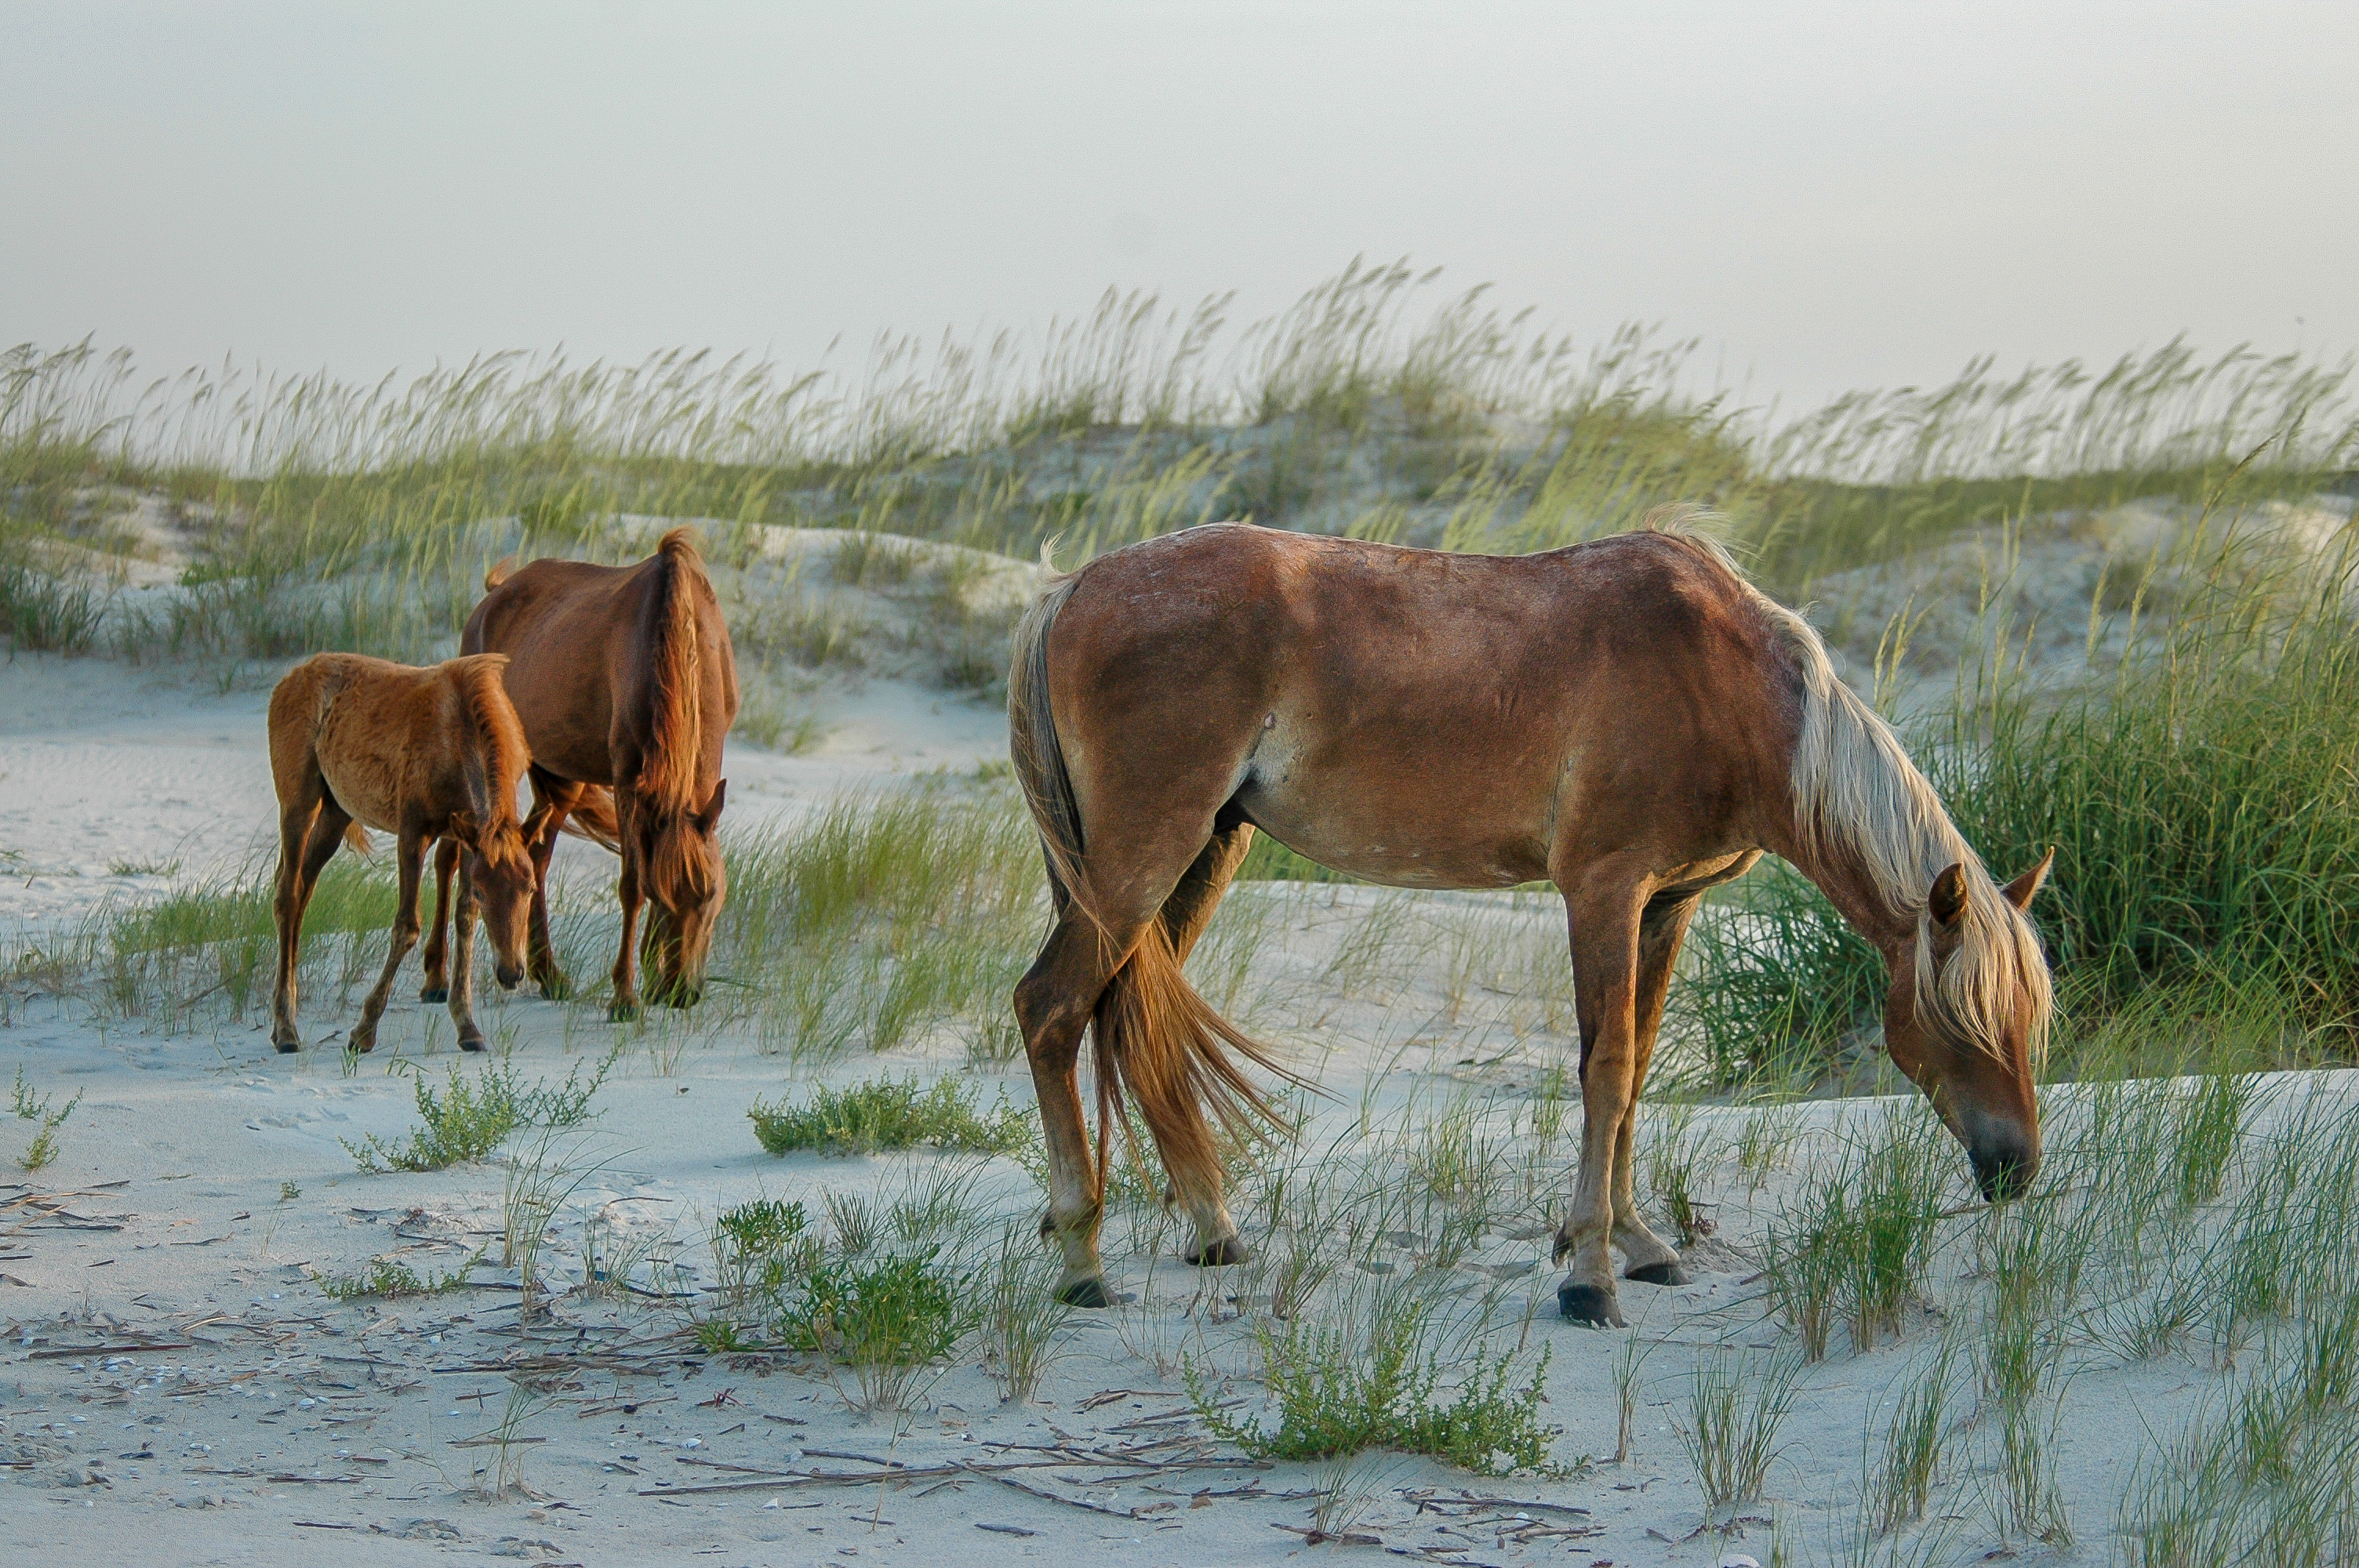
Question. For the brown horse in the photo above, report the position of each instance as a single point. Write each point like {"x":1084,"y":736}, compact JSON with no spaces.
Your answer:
{"x":430,"y":753}
{"x":624,"y":678}
{"x":1628,"y":719}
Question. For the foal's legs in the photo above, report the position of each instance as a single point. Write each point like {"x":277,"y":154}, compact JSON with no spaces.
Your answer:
{"x":411,"y":857}
{"x":463,"y":974}
{"x":438,"y":974}
{"x":552,"y":801}
{"x":1603,"y":900}
{"x":1185,"y":914}
{"x":310,"y":827}
{"x":1660,"y":927}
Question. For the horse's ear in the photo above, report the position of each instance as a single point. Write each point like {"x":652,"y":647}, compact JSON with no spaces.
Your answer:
{"x":710,"y":818}
{"x":2025,"y":888}
{"x":467,"y":827}
{"x":1947,"y":899}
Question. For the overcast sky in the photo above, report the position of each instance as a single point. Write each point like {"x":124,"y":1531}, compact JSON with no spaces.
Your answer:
{"x":1828,"y":196}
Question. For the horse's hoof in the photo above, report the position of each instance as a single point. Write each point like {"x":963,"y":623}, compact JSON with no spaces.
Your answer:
{"x":1219,"y":1254}
{"x":472,"y":1043}
{"x":1588,"y":1304}
{"x":287,"y":1047}
{"x":1668,"y":1273}
{"x":1085,"y":1293}
{"x":435,"y":993}
{"x":623,"y":1012}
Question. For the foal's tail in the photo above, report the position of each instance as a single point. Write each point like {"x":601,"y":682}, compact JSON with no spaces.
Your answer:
{"x":1158,"y":1044}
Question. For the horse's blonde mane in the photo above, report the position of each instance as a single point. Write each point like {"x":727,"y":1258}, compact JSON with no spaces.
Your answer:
{"x":1855,"y":787}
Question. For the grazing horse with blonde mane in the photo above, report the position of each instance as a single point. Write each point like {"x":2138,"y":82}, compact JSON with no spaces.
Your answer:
{"x":430,"y":753}
{"x":624,"y":678}
{"x":1628,"y":717}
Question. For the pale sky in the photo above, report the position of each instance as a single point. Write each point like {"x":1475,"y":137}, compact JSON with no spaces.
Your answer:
{"x":1828,"y":196}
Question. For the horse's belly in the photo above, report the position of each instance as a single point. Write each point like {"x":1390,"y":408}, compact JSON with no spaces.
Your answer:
{"x":365,"y":788}
{"x":1397,"y":842}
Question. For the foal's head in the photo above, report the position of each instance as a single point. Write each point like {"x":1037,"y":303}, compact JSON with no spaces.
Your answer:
{"x":1967,"y":1019}
{"x":500,"y":869}
{"x":686,"y":881}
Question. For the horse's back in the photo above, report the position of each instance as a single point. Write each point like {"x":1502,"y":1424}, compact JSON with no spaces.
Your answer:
{"x":558,"y":621}
{"x":1417,"y":716}
{"x":373,"y":728}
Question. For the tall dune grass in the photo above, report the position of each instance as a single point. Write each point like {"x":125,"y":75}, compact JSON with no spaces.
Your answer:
{"x":331,"y":513}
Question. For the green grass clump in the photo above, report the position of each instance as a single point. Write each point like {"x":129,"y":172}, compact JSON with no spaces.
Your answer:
{"x":466,"y":1120}
{"x":1734,"y":1417}
{"x":42,"y":612}
{"x":1342,"y":1388}
{"x":881,"y":919}
{"x":887,"y":1113}
{"x":1856,"y":1242}
{"x":390,"y":1279}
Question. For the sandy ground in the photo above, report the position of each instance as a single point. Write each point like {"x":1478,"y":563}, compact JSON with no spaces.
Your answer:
{"x":176,"y":1387}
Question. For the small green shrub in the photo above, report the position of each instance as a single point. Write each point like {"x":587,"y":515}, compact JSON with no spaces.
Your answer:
{"x":755,"y":1247}
{"x":890,"y":1114}
{"x":389,"y":1279}
{"x":894,"y":1311}
{"x":29,"y":1107}
{"x":466,"y":1120}
{"x":1341,"y":1389}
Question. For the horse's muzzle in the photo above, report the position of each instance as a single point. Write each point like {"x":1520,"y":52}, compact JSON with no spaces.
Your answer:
{"x":2004,"y":1167}
{"x":509,"y":979}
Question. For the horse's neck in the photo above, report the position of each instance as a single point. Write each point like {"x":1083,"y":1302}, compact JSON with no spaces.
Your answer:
{"x":1833,"y":862}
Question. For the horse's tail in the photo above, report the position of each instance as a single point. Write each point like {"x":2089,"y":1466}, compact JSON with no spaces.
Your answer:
{"x":592,"y":817}
{"x":667,"y":776}
{"x":1159,"y":1045}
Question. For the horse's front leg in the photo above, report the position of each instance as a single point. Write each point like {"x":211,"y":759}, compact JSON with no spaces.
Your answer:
{"x":463,"y":971}
{"x":437,"y":955}
{"x":625,"y":1005}
{"x":1604,"y":909}
{"x":412,"y":853}
{"x":1651,"y":1258}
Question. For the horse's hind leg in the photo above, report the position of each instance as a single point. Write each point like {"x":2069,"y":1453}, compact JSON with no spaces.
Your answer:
{"x":1185,"y":914}
{"x":309,"y":829}
{"x":462,"y":962}
{"x":412,"y":855}
{"x":553,"y":800}
{"x":1652,"y":1260}
{"x":437,"y":955}
{"x":1053,"y":1003}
